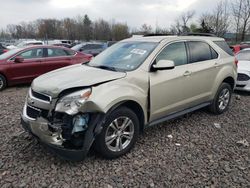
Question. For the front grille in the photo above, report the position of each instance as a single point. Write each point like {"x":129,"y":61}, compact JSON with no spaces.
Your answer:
{"x":243,"y":77}
{"x":40,"y":96}
{"x":36,"y":112}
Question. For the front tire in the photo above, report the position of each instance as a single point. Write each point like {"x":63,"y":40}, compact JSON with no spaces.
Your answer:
{"x":119,"y":134}
{"x":222,"y":99}
{"x":3,"y":82}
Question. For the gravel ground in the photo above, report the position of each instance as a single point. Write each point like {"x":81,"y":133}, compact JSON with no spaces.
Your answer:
{"x":198,"y":150}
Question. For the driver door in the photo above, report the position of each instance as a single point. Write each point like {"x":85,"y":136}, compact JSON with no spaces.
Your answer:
{"x":169,"y":89}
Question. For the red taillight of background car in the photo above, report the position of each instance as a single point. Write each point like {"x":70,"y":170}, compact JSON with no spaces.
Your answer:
{"x":5,"y":50}
{"x":236,"y":62}
{"x":90,"y":58}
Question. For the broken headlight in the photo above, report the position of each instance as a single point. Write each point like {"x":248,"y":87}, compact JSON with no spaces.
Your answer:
{"x":71,"y":103}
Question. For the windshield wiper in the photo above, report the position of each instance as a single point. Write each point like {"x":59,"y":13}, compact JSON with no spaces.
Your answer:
{"x":106,"y":68}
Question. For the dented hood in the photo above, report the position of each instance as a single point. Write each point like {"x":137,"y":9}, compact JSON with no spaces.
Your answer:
{"x":53,"y":83}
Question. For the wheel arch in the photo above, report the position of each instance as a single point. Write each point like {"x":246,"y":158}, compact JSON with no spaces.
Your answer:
{"x":135,"y":107}
{"x":230,"y":81}
{"x":1,"y":73}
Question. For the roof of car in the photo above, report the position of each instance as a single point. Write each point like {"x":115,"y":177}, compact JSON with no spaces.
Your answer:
{"x":172,"y":38}
{"x":42,"y":46}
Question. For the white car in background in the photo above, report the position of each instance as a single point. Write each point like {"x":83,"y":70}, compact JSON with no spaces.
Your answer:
{"x":25,"y":43}
{"x":243,"y":80}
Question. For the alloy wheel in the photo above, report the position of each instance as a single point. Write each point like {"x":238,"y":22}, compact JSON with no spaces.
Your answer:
{"x":224,"y":99}
{"x":119,"y":134}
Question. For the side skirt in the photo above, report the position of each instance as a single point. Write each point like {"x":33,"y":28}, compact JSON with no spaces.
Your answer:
{"x":177,"y":114}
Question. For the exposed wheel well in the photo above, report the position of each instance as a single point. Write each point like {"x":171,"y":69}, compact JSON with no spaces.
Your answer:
{"x":230,"y":81}
{"x":137,"y":109}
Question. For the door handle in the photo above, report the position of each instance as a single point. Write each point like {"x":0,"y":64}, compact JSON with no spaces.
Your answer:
{"x":187,"y":73}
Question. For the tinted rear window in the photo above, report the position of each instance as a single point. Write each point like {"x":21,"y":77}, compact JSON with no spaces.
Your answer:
{"x":224,"y":46}
{"x":201,"y":51}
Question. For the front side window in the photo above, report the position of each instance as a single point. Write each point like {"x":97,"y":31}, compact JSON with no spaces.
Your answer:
{"x":55,"y":52}
{"x":34,"y":53}
{"x":175,"y":52}
{"x":201,"y":51}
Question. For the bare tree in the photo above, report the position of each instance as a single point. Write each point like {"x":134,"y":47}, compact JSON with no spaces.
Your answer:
{"x":218,"y":20}
{"x":245,"y":12}
{"x":102,"y":30}
{"x":181,"y":24}
{"x":236,"y":14}
{"x":145,"y":29}
{"x":185,"y":18}
{"x":119,"y":31}
{"x":241,"y":15}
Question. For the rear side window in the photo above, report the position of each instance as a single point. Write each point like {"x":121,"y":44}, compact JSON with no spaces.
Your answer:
{"x":54,"y":52}
{"x":201,"y":51}
{"x":175,"y":52}
{"x":223,"y":45}
{"x":70,"y":52}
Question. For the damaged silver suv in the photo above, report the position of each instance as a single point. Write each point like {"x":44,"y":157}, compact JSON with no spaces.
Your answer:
{"x":136,"y":83}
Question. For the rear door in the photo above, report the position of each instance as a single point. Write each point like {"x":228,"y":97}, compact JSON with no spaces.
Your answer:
{"x":56,"y":58}
{"x":204,"y":66}
{"x":30,"y":68}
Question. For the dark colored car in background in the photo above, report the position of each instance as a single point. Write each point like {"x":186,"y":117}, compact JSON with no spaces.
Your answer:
{"x":22,"y":65}
{"x":90,"y":48}
{"x":2,"y":49}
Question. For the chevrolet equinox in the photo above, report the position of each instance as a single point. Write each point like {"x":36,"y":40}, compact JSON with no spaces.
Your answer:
{"x":134,"y":84}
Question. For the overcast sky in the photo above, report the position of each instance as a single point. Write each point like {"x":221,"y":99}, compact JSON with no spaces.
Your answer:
{"x":133,"y":12}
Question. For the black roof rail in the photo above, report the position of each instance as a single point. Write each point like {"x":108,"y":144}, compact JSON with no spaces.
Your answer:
{"x":199,"y":34}
{"x":155,"y":34}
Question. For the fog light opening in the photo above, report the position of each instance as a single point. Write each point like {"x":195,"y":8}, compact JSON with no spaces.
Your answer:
{"x":80,"y":123}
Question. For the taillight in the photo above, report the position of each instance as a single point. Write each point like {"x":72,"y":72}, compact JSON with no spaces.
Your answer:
{"x":236,"y":62}
{"x":5,"y":51}
{"x":90,"y":58}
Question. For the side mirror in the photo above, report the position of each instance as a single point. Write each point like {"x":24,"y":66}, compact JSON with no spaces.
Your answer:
{"x":19,"y":59}
{"x":163,"y":65}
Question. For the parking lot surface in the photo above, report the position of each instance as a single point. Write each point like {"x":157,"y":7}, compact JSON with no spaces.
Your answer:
{"x":196,"y":150}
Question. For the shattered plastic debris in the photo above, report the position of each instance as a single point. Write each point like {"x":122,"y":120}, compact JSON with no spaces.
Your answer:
{"x":243,"y":142}
{"x":217,"y":125}
{"x":170,"y":136}
{"x":237,"y":97}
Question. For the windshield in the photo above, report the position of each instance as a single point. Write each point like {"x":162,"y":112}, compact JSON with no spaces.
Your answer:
{"x":21,"y":44}
{"x":244,"y":55}
{"x":9,"y":54}
{"x":124,"y":56}
{"x":77,"y":47}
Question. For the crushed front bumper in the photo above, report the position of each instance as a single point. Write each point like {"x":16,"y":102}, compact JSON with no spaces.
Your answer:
{"x":53,"y":141}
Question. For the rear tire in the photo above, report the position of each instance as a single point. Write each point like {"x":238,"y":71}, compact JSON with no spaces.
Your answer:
{"x":222,"y":99}
{"x":3,"y":82}
{"x":119,"y":134}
